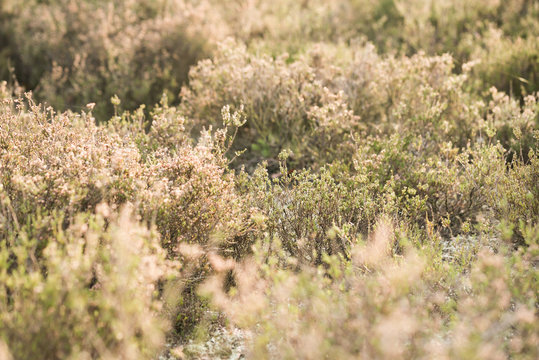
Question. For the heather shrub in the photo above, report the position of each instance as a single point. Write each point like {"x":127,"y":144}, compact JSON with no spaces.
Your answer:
{"x":284,"y":106}
{"x":316,"y":122}
{"x":63,"y":162}
{"x":71,"y":165}
{"x":192,"y":195}
{"x":418,"y":94}
{"x":450,"y":189}
{"x":436,"y":188}
{"x":513,"y":194}
{"x":60,"y":165}
{"x":469,"y":30}
{"x":285,"y":25}
{"x":440,"y":187}
{"x":392,"y":25}
{"x":382,"y":305}
{"x":510,"y":65}
{"x":342,"y":179}
{"x":454,"y":26}
{"x":75,"y":52}
{"x":514,"y":124}
{"x":312,"y":214}
{"x":91,"y":293}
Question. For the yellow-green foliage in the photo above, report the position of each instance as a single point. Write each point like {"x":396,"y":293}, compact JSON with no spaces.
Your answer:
{"x":285,"y":106}
{"x":92,"y":292}
{"x":380,"y":305}
{"x":76,"y":52}
{"x":56,"y":168}
{"x":271,"y":179}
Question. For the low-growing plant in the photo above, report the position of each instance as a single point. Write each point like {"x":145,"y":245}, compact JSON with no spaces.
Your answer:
{"x":510,"y":65}
{"x":381,"y":305}
{"x":75,"y":52}
{"x":56,"y":166}
{"x":312,"y":214}
{"x":91,"y":293}
{"x":284,"y":105}
{"x":337,"y":179}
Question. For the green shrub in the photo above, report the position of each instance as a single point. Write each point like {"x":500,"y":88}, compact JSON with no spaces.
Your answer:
{"x":347,"y":179}
{"x":73,"y":53}
{"x":92,"y":293}
{"x":381,"y":305}
{"x":510,"y":65}
{"x":61,"y":165}
{"x":313,"y":214}
{"x":284,"y":105}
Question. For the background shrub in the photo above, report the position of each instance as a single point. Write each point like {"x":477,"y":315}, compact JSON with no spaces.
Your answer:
{"x":284,"y":105}
{"x":336,"y":179}
{"x":72,"y":53}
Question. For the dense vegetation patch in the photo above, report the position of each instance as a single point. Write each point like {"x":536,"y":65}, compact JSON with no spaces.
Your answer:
{"x":273,"y":179}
